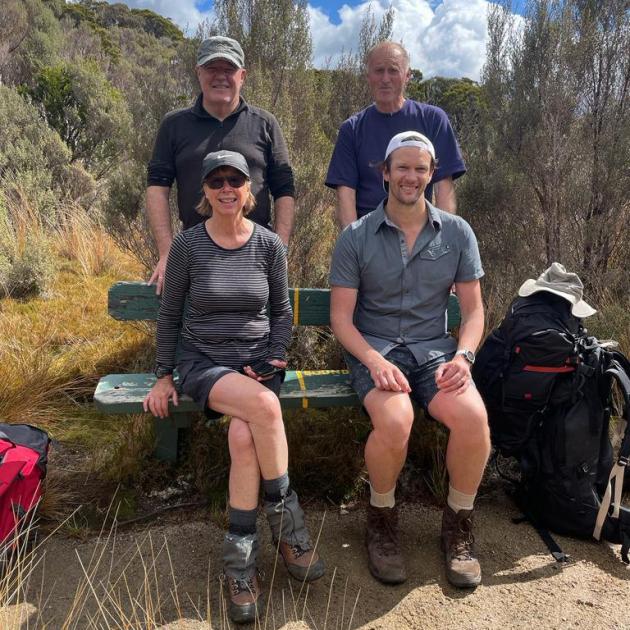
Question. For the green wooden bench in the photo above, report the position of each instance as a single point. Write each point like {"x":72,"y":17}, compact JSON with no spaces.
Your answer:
{"x":124,"y":393}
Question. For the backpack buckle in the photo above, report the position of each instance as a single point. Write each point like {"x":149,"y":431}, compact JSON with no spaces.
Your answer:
{"x":623,"y":460}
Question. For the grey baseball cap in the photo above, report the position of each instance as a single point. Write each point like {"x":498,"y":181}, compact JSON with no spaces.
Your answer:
{"x":217,"y":159}
{"x":219,"y":47}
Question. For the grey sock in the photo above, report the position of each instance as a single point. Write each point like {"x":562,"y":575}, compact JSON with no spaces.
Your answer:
{"x":276,"y":489}
{"x":242,"y":522}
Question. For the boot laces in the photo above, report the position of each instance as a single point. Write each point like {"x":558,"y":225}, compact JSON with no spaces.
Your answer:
{"x":298,"y":550}
{"x":241,"y":584}
{"x":463,"y":540}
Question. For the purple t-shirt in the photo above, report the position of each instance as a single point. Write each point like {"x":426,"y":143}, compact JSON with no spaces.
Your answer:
{"x":364,"y":137}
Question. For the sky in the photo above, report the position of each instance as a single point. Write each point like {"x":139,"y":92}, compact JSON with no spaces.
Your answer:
{"x":443,"y":37}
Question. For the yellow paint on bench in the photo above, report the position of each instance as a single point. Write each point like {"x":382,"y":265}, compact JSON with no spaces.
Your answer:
{"x":323,"y":372}
{"x":296,"y":307}
{"x":300,"y":378}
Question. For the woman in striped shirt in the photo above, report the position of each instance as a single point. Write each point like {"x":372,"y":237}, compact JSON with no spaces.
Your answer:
{"x":232,"y":361}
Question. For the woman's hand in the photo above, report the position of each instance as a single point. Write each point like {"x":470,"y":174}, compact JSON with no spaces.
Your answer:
{"x":156,"y":401}
{"x":277,"y":362}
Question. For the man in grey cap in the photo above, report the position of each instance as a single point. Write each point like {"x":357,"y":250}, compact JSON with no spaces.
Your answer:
{"x":219,"y":119}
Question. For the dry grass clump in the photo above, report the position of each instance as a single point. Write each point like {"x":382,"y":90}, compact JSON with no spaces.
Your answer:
{"x":80,"y":238}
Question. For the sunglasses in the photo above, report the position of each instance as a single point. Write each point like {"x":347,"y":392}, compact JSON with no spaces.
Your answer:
{"x":233,"y":181}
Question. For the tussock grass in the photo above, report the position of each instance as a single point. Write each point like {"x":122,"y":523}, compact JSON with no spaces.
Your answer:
{"x":54,"y":348}
{"x":82,"y":239}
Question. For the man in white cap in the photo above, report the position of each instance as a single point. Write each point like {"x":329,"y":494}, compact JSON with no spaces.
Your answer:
{"x":219,"y":119}
{"x":392,"y":271}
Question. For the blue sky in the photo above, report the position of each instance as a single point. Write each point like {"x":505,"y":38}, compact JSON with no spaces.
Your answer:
{"x":444,"y":37}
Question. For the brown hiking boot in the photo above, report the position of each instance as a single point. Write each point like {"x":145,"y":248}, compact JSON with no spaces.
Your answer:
{"x":245,"y":597}
{"x":385,"y":559}
{"x":462,"y":567}
{"x":241,"y":578}
{"x":303,"y":563}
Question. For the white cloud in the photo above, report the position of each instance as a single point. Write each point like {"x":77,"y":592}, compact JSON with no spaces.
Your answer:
{"x":184,"y":12}
{"x":448,"y":40}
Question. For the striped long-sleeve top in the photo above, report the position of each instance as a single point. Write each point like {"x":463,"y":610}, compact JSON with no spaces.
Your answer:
{"x":228,"y":291}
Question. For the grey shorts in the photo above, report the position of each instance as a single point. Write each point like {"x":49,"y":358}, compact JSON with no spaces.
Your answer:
{"x":421,"y":377}
{"x":198,"y":374}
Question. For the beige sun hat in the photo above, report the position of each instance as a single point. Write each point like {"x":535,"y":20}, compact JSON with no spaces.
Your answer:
{"x":556,"y":279}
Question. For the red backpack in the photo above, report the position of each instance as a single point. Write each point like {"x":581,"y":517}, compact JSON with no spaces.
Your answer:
{"x":23,"y":458}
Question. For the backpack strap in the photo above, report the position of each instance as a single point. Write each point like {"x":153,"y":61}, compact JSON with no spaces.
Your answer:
{"x":554,"y":548}
{"x":616,"y":370}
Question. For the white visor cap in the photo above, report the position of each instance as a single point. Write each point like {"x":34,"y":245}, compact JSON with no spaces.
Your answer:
{"x":410,"y":139}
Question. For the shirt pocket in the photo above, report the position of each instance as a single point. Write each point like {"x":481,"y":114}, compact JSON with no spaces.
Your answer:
{"x":439,"y":264}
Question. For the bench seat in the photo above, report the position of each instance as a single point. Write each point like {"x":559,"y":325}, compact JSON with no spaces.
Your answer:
{"x":124,"y":393}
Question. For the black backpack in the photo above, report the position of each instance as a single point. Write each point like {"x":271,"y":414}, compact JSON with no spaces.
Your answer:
{"x":548,"y":388}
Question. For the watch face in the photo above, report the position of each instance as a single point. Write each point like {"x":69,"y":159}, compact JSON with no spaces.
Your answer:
{"x":468,"y":355}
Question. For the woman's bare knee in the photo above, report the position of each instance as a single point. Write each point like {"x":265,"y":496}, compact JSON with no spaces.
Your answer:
{"x":266,"y":411}
{"x":240,"y":441}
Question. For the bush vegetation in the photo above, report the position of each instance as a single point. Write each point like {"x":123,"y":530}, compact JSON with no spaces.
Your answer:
{"x":83,"y":87}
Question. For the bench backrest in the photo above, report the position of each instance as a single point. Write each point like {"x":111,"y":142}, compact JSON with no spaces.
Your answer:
{"x":135,"y":301}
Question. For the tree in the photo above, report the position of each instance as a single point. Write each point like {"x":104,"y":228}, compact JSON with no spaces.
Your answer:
{"x":89,"y":114}
{"x":559,"y":121}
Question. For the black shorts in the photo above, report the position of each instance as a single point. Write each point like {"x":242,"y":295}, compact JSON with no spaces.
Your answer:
{"x":198,"y":374}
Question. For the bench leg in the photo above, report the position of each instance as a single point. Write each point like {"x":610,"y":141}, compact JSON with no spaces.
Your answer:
{"x":168,"y":436}
{"x":166,"y":439}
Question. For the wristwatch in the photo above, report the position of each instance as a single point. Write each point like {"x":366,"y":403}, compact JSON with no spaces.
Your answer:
{"x":469,"y":355}
{"x":161,"y":371}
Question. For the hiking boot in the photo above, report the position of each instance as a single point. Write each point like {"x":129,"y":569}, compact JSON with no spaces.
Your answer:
{"x":240,"y":577}
{"x":385,"y":559}
{"x":286,"y":520}
{"x":462,"y":567}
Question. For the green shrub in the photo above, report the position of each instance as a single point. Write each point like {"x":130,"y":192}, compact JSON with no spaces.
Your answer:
{"x":30,"y":272}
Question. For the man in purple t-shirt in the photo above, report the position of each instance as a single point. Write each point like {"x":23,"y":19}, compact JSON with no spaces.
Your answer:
{"x":363,"y":138}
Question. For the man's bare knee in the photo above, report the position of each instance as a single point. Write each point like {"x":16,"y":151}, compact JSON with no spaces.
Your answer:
{"x":394,"y":431}
{"x":472,"y":425}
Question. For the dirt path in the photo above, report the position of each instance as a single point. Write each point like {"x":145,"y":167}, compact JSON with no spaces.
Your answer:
{"x":161,"y":573}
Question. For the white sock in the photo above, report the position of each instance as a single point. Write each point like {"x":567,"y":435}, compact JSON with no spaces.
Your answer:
{"x":385,"y":500}
{"x":458,"y":500}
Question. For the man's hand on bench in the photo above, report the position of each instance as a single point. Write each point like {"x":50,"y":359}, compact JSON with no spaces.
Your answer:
{"x":156,"y":401}
{"x":158,"y":275}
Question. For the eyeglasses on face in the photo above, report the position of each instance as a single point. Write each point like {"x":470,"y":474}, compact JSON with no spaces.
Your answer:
{"x":234,"y":181}
{"x":227,"y":69}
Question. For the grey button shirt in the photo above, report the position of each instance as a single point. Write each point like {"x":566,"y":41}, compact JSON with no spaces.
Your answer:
{"x":403,"y":296}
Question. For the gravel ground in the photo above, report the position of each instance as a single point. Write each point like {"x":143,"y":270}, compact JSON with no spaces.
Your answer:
{"x":165,"y":576}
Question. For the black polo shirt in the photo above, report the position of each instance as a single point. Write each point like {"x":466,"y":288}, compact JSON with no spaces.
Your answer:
{"x":186,"y":136}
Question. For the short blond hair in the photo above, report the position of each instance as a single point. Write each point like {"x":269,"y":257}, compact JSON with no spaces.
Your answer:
{"x":205,"y":209}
